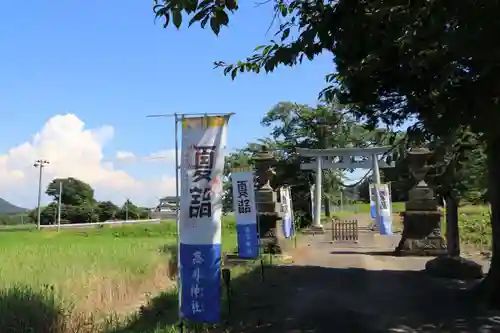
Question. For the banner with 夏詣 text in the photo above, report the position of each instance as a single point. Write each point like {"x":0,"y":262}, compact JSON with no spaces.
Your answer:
{"x":245,"y":212}
{"x":373,"y":204}
{"x":313,"y":209}
{"x":286,"y":202}
{"x":202,"y":164}
{"x":385,"y":208}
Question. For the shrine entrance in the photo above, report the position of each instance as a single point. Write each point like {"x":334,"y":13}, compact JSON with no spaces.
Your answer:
{"x":342,"y":158}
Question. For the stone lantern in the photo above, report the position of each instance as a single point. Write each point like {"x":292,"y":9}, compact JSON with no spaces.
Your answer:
{"x":268,"y":209}
{"x":421,"y":219}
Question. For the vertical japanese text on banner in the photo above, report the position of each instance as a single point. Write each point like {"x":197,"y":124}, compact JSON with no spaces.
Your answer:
{"x":201,"y":190}
{"x":243,"y":199}
{"x":196,"y":286}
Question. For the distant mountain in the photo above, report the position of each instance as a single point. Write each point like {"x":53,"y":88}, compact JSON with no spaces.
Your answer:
{"x":8,"y":208}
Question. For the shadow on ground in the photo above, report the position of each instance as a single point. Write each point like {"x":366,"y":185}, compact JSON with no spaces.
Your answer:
{"x":368,"y":253}
{"x":317,"y":299}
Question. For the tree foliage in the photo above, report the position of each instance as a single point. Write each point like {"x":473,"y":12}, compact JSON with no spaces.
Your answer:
{"x":436,"y":61}
{"x":297,"y":125}
{"x":107,"y":210}
{"x":78,"y":205}
{"x":74,"y":191}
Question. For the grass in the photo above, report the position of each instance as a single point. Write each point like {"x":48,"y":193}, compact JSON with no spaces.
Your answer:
{"x":90,"y":280}
{"x":75,"y":278}
{"x":88,"y":259}
{"x":474,"y":223}
{"x":364,"y":208}
{"x":475,"y":227}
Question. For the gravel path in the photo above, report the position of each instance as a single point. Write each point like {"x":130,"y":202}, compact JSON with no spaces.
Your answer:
{"x":355,"y":288}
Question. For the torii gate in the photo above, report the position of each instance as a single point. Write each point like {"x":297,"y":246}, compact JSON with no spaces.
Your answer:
{"x":342,"y":158}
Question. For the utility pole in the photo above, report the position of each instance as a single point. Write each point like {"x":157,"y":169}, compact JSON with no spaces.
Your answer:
{"x":126,"y":210}
{"x":341,"y":200}
{"x":39,"y":164}
{"x":59,"y":205}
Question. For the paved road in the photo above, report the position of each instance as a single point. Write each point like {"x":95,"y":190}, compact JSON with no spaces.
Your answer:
{"x":357,"y":288}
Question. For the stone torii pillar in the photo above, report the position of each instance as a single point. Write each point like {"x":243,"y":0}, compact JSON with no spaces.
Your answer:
{"x":342,"y":158}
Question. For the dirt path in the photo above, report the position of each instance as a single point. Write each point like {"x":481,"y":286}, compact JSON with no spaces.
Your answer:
{"x":355,"y":288}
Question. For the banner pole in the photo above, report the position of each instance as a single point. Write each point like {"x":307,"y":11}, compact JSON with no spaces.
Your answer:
{"x":259,"y":240}
{"x":177,"y":213}
{"x":294,"y":229}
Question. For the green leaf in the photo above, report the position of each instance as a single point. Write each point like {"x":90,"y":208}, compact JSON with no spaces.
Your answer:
{"x":285,"y":34}
{"x":203,"y":22}
{"x":177,"y":17}
{"x":198,"y":16}
{"x":266,"y":50}
{"x":167,"y":19}
{"x":157,"y":8}
{"x":233,"y":73}
{"x":283,"y":10}
{"x":214,"y":25}
{"x":191,"y":6}
{"x":231,"y":4}
{"x":205,"y":4}
{"x":222,"y":17}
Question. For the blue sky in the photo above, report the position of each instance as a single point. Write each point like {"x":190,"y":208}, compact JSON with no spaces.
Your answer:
{"x":109,"y":63}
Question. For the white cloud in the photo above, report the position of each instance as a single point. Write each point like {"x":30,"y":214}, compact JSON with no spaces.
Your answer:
{"x":125,"y":156}
{"x":75,"y":151}
{"x":166,"y":156}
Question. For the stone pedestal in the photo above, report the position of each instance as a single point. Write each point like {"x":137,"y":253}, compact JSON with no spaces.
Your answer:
{"x":269,"y":232}
{"x":269,"y":217}
{"x":421,"y":234}
{"x":268,"y":210}
{"x":422,"y":219}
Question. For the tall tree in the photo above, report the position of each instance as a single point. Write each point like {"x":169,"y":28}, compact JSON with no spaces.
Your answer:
{"x":434,"y":60}
{"x":129,"y":211}
{"x":74,"y":191}
{"x":107,"y":210}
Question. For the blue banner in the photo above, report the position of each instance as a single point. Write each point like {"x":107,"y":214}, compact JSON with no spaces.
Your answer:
{"x":385,"y":225}
{"x":248,"y":241}
{"x":200,"y":276}
{"x":286,"y":203}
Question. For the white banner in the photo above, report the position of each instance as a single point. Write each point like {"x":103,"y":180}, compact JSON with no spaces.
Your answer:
{"x":385,"y":208}
{"x":313,"y":209}
{"x":373,"y":207}
{"x":245,"y":212}
{"x":286,"y":202}
{"x":202,"y":164}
